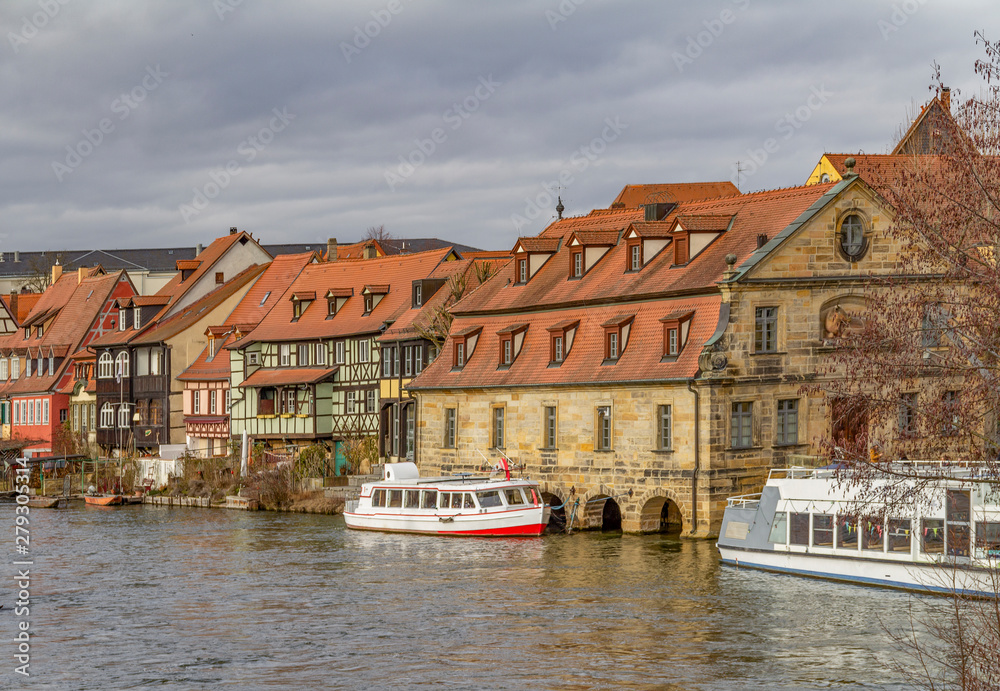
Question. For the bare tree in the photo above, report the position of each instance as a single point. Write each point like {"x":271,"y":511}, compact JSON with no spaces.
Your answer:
{"x":379,"y":234}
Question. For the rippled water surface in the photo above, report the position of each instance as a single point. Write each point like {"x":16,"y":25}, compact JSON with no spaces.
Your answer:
{"x":198,"y":598}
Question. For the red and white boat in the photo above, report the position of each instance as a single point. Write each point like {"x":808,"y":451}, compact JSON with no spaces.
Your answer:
{"x":459,"y":505}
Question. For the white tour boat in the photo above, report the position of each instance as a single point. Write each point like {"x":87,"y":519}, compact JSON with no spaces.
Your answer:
{"x":454,"y":505}
{"x":805,"y":522}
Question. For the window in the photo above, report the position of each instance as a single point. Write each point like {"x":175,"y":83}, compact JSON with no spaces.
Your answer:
{"x":987,"y":539}
{"x":76,"y":418}
{"x":522,"y":270}
{"x":364,"y":350}
{"x":788,"y":422}
{"x":557,"y":349}
{"x":371,"y":397}
{"x":369,"y":304}
{"x":220,"y":278}
{"x":123,"y":416}
{"x":213,"y":402}
{"x":603,"y":437}
{"x":253,"y":358}
{"x":229,"y":400}
{"x":498,"y":428}
{"x":428,"y":499}
{"x":84,"y":422}
{"x":822,"y":530}
{"x":303,"y":355}
{"x":766,"y":330}
{"x":4,"y":375}
{"x":779,"y":528}
{"x":52,"y":364}
{"x":408,"y":361}
{"x":93,"y":414}
{"x":418,"y":358}
{"x":155,"y":361}
{"x":612,"y":346}
{"x":950,"y":414}
{"x":852,"y":237}
{"x":450,"y":422}
{"x":663,"y":419}
{"x":742,"y":421}
{"x":418,"y":295}
{"x":142,"y":410}
{"x":872,"y":535}
{"x":932,"y":538}
{"x":284,"y":355}
{"x":339,"y":353}
{"x":15,"y":366}
{"x":508,"y":348}
{"x":39,"y":365}
{"x":908,"y":414}
{"x":136,"y":317}
{"x":635,"y":257}
{"x":847,"y":532}
{"x":196,"y":402}
{"x":121,"y":318}
{"x":410,"y":432}
{"x":387,"y":361}
{"x":107,"y":416}
{"x":798,"y":529}
{"x":549,"y":441}
{"x":577,"y":264}
{"x":459,"y":354}
{"x":45,"y":412}
{"x":320,"y":354}
{"x":672,"y":341}
{"x":27,"y":365}
{"x":264,"y":299}
{"x":351,"y":402}
{"x":265,"y":401}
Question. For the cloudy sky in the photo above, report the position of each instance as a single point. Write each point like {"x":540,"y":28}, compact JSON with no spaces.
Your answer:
{"x":163,"y":123}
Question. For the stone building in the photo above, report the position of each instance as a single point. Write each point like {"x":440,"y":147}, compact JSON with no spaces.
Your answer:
{"x":646,"y":363}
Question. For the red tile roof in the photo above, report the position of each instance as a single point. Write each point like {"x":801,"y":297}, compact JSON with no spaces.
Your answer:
{"x":288,"y":375}
{"x":597,"y":237}
{"x":883,"y":171}
{"x":639,"y":362}
{"x":635,"y":196}
{"x":712,"y":222}
{"x":656,"y":229}
{"x":356,"y":250}
{"x":396,"y":271}
{"x":538,"y":244}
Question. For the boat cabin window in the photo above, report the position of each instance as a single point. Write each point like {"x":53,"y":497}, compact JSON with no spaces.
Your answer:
{"x":429,"y":499}
{"x":987,"y":540}
{"x":514,"y":496}
{"x":958,"y":540}
{"x":932,"y":532}
{"x":798,"y":529}
{"x":899,"y":535}
{"x":468,"y":504}
{"x":411,"y":499}
{"x":958,"y":502}
{"x":872,"y":537}
{"x":489,"y":499}
{"x":445,"y":501}
{"x":378,"y":498}
{"x":822,"y":530}
{"x":395,"y":498}
{"x":847,"y":532}
{"x":779,"y":528}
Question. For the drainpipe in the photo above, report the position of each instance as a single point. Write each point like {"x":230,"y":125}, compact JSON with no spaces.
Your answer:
{"x":697,"y":459}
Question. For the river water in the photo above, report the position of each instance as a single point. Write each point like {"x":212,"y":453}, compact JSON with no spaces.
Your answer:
{"x":202,"y":598}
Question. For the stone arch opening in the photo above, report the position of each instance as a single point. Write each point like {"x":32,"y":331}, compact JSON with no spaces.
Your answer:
{"x":610,"y":515}
{"x":557,"y":515}
{"x":661,"y":515}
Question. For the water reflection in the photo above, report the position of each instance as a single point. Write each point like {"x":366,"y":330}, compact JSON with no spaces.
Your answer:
{"x":190,"y":598}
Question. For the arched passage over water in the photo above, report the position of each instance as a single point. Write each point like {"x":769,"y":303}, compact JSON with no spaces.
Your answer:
{"x":661,"y":515}
{"x":557,"y":516}
{"x":602,"y":512}
{"x":611,"y":516}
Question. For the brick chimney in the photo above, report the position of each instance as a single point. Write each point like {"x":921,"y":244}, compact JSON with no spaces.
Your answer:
{"x":331,"y":250}
{"x":81,"y":274}
{"x":56,"y":271}
{"x":945,"y":98}
{"x":13,"y":304}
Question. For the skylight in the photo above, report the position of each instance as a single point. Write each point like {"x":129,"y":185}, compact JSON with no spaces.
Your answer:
{"x":266,"y":296}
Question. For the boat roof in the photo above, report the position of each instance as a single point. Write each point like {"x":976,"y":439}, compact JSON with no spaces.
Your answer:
{"x":452,"y":480}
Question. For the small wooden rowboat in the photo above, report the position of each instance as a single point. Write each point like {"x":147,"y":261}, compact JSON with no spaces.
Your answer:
{"x":103,"y":499}
{"x":43,"y":502}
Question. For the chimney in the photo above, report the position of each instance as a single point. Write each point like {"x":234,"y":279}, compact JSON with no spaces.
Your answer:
{"x":13,"y":304}
{"x":370,"y":252}
{"x":81,"y":274}
{"x":945,"y":98}
{"x":761,"y":240}
{"x":331,"y":250}
{"x":198,"y":249}
{"x":17,"y":256}
{"x":232,"y":230}
{"x":56,"y":271}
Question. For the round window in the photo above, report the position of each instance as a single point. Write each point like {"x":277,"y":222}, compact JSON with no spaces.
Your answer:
{"x":852,"y":237}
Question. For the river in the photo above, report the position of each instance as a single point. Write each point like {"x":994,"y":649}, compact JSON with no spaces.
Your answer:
{"x":202,"y":598}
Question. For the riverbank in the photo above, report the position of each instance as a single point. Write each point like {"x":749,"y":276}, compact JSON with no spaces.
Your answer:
{"x":316,"y":502}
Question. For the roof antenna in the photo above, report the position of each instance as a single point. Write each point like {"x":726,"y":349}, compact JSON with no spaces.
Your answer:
{"x":739,"y":171}
{"x":559,"y":207}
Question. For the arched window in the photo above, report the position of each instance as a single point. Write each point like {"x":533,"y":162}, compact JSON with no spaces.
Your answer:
{"x":104,"y":370}
{"x":123,"y":416}
{"x":107,"y":414}
{"x":121,"y":364}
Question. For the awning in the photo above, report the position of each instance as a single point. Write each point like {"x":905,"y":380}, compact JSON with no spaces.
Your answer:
{"x":288,"y":375}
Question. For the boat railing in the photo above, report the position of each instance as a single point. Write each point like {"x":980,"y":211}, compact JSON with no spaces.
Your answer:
{"x":745,"y":501}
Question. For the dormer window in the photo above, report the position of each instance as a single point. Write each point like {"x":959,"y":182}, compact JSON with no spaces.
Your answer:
{"x":39,"y":330}
{"x":587,"y":247}
{"x":692,"y":233}
{"x":300,"y":303}
{"x":136,"y":318}
{"x":121,"y":318}
{"x":561,"y":338}
{"x":576,"y":264}
{"x":335,"y":299}
{"x":643,"y":241}
{"x":530,"y":254}
{"x":418,"y":296}
{"x":616,"y":333}
{"x":522,"y":270}
{"x":676,"y":327}
{"x":27,"y":332}
{"x":511,"y":342}
{"x":634,"y":256}
{"x":465,"y":342}
{"x":369,"y":304}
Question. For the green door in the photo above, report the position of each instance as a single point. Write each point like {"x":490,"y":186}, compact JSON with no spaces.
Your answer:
{"x":339,"y":462}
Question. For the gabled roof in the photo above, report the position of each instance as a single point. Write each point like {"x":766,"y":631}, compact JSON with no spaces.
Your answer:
{"x":595,"y":237}
{"x":537,"y":244}
{"x":635,"y":196}
{"x":393,"y":270}
{"x":705,"y":222}
{"x":656,"y":229}
{"x":929,"y":129}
